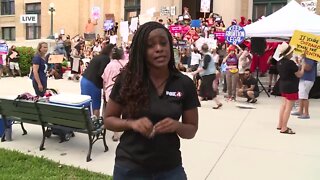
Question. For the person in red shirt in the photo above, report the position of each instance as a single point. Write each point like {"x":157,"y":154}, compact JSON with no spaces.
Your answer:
{"x":242,"y":23}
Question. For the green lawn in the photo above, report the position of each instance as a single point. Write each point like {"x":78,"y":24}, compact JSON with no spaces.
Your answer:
{"x":15,"y":165}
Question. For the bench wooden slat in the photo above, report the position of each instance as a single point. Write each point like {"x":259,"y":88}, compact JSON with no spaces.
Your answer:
{"x":21,"y":115}
{"x":59,"y":108}
{"x":25,"y":111}
{"x":18,"y":103}
{"x":63,"y":122}
{"x":70,"y":116}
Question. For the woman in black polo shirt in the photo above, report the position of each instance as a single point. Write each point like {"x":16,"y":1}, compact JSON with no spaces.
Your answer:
{"x":150,"y":95}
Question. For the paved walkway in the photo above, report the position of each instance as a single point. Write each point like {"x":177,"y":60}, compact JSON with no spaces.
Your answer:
{"x":231,"y":143}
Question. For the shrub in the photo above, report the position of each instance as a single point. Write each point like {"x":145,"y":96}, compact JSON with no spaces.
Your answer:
{"x":25,"y":62}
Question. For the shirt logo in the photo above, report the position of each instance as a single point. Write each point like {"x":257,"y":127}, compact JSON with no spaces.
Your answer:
{"x":177,"y":94}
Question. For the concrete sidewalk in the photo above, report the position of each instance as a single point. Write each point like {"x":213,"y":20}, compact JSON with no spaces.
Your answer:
{"x":231,"y":143}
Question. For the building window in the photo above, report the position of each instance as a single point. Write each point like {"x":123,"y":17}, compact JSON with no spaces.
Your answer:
{"x":266,"y":7}
{"x":7,"y":7}
{"x":33,"y":30}
{"x":131,"y":9}
{"x":9,"y":33}
{"x":259,"y":10}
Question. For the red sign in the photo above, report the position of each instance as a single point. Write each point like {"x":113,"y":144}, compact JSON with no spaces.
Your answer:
{"x":178,"y":29}
{"x":192,"y":34}
{"x":220,"y":36}
{"x":210,"y":21}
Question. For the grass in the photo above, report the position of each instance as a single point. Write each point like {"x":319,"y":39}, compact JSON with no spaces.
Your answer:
{"x":15,"y":165}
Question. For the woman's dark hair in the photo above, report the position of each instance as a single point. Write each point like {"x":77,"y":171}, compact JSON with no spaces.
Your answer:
{"x":117,"y":53}
{"x":135,"y":76}
{"x":107,"y":49}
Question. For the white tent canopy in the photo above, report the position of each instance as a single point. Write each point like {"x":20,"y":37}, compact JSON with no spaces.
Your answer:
{"x":283,"y":22}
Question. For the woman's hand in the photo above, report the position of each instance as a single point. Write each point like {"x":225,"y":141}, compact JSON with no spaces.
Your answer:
{"x":142,"y":125}
{"x":40,"y":87}
{"x":167,"y":125}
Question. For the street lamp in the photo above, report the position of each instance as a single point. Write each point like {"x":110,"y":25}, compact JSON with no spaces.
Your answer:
{"x":51,"y":10}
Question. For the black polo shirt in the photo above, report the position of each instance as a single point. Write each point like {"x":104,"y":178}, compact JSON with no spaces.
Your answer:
{"x":162,"y":152}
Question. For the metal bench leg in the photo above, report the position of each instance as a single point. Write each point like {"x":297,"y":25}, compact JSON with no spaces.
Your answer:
{"x":106,"y":148}
{"x":23,"y":129}
{"x":43,"y":138}
{"x":90,"y":147}
{"x":3,"y":138}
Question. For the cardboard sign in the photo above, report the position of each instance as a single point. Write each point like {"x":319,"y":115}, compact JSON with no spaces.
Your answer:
{"x":53,"y":59}
{"x":109,"y":16}
{"x":308,"y":43}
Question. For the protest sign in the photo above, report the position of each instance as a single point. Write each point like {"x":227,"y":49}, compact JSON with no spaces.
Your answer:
{"x":96,"y":12}
{"x":205,"y":6}
{"x":134,"y":24}
{"x":235,"y":34}
{"x":53,"y":59}
{"x":210,"y":21}
{"x":311,"y":5}
{"x":306,"y":43}
{"x":220,"y":36}
{"x":3,"y":49}
{"x":108,"y":24}
{"x":195,"y":23}
{"x":192,"y":34}
{"x":89,"y":36}
{"x":124,"y":30}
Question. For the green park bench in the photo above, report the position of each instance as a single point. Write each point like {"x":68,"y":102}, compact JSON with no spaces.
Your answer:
{"x":19,"y":111}
{"x":76,"y":119}
{"x":49,"y":115}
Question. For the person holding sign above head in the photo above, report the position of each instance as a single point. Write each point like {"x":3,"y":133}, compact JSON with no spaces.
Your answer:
{"x":289,"y":73}
{"x":89,"y":29}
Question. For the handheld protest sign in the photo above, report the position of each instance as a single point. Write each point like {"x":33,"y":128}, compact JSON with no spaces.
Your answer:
{"x":53,"y":59}
{"x":3,"y":49}
{"x":306,"y":43}
{"x":235,"y":34}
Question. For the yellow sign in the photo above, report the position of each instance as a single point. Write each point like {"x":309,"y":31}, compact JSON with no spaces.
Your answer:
{"x":306,"y":42}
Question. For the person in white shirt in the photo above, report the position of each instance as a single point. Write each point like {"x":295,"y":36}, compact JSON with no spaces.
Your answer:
{"x":96,"y":48}
{"x":245,"y":59}
{"x":113,"y":38}
{"x":195,"y":59}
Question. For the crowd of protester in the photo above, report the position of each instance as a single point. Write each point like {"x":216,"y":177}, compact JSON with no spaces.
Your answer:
{"x":211,"y":66}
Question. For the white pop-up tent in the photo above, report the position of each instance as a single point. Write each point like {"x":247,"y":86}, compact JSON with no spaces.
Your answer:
{"x":284,"y":22}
